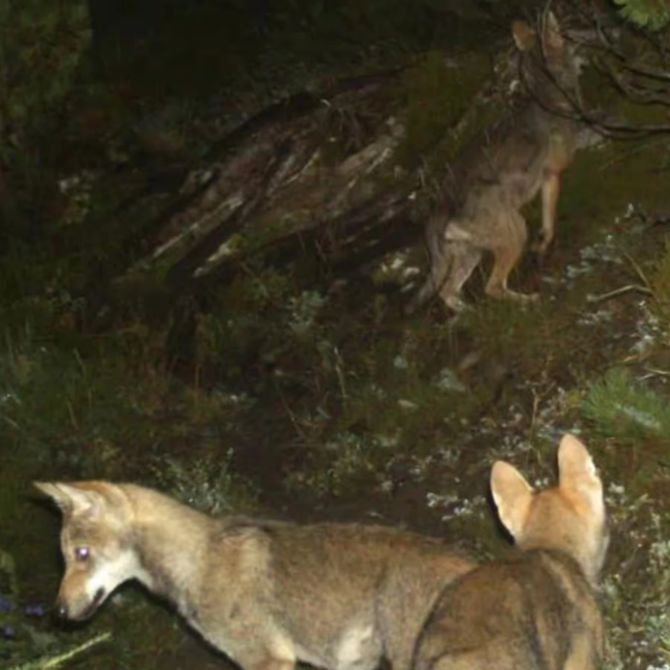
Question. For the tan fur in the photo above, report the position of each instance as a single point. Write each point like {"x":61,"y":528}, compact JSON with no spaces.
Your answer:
{"x":503,"y":170}
{"x":536,"y":609}
{"x":338,"y":596}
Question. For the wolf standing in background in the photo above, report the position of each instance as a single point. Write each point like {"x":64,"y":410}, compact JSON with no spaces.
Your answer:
{"x":338,"y":596}
{"x":503,"y":170}
{"x":535,"y":610}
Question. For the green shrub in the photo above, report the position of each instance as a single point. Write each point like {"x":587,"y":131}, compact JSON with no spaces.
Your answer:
{"x":652,"y":14}
{"x":621,"y":408}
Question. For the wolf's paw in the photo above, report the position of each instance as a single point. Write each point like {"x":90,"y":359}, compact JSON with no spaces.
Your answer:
{"x":540,"y":247}
{"x":531,"y":299}
{"x":528,"y":298}
{"x":522,"y":298}
{"x":456,"y":304}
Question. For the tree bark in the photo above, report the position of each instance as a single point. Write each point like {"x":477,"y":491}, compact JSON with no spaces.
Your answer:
{"x":315,"y":171}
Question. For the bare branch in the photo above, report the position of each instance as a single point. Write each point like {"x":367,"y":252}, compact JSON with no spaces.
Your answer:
{"x":642,"y":87}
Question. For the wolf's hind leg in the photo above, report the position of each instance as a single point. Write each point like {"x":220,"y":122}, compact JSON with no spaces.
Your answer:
{"x":439,"y":266}
{"x":506,"y":255}
{"x":464,"y":259}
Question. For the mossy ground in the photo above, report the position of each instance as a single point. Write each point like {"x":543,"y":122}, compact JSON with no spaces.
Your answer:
{"x":313,"y":400}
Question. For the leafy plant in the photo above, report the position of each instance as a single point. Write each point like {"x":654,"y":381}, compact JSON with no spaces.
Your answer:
{"x":206,"y":482}
{"x":41,"y":44}
{"x":621,"y":408}
{"x":660,"y":284}
{"x":652,"y":14}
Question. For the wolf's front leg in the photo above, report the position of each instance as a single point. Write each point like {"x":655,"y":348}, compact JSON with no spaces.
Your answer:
{"x":254,"y":649}
{"x":585,"y":650}
{"x":551,"y":187}
{"x":271,"y":663}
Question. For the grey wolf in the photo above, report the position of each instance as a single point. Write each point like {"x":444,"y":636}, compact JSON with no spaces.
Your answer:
{"x":504,"y":169}
{"x":337,"y":596}
{"x":535,"y":610}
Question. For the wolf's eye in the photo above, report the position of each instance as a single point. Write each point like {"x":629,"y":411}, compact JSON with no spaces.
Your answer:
{"x":81,"y":553}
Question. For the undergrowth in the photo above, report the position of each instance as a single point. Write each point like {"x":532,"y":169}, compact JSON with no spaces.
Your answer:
{"x":353,"y":402}
{"x":621,"y":408}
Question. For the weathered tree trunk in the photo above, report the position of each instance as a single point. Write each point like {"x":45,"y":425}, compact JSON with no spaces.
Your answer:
{"x":315,"y":171}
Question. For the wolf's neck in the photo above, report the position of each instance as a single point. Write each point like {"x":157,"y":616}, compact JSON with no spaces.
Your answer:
{"x":171,"y":541}
{"x":569,"y":552}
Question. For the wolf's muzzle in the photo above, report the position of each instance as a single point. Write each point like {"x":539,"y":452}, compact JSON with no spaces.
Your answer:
{"x":64,"y":612}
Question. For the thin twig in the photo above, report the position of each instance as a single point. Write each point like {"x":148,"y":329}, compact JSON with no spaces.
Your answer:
{"x":639,"y":271}
{"x":56,"y":661}
{"x":654,"y":372}
{"x":291,"y":415}
{"x":340,"y":374}
{"x":617,"y":292}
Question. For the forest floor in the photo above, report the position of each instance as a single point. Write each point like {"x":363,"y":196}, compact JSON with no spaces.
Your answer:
{"x":325,"y":402}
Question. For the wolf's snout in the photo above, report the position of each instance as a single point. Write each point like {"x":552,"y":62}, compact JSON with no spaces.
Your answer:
{"x":79,"y":609}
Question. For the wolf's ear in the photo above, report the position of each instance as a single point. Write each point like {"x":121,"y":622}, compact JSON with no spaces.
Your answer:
{"x":512,"y":495}
{"x":524,"y":36}
{"x":71,"y":498}
{"x":577,"y":472}
{"x":552,"y":40}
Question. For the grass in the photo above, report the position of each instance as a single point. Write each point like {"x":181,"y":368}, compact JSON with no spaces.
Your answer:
{"x":105,"y":415}
{"x":635,"y":589}
{"x":626,"y":410}
{"x":660,"y":287}
{"x":109,"y":411}
{"x":373,"y":405}
{"x":303,"y":393}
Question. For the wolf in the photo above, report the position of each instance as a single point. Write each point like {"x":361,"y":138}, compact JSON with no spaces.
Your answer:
{"x":535,"y":610}
{"x":504,"y":169}
{"x":266,"y":593}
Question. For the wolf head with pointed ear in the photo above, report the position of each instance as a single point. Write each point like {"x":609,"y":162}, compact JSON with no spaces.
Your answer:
{"x":96,"y":548}
{"x":549,"y":64}
{"x":569,"y":517}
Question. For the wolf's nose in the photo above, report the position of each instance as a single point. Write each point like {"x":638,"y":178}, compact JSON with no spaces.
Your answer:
{"x":61,"y":610}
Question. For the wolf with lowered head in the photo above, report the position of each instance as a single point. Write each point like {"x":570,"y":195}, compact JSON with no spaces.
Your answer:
{"x":268,"y":594}
{"x":536,"y":609}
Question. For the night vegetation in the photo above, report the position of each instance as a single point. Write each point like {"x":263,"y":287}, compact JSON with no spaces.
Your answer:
{"x":284,"y":378}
